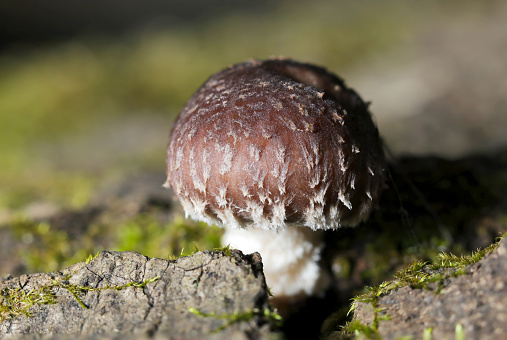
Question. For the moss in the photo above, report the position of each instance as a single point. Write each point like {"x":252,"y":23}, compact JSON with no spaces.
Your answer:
{"x":45,"y":247}
{"x":369,"y":331}
{"x":225,"y":250}
{"x":268,"y":315}
{"x":147,"y":235}
{"x":16,"y":302}
{"x":419,"y":275}
{"x":50,"y":246}
{"x":428,"y":334}
{"x":90,"y":258}
{"x":360,"y":330}
{"x":459,"y":332}
{"x":448,"y":260}
{"x":76,"y":291}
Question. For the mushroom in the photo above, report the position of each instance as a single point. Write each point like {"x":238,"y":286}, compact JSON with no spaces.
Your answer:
{"x":277,"y":151}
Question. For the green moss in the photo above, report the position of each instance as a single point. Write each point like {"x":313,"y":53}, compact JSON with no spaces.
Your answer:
{"x":46,"y":247}
{"x":16,"y":302}
{"x":459,"y":332}
{"x":427,"y":335}
{"x":419,"y":275}
{"x":146,"y":235}
{"x":226,"y":250}
{"x":360,"y":330}
{"x":268,"y":315}
{"x":90,"y":258}
{"x":76,"y":291}
{"x":459,"y":262}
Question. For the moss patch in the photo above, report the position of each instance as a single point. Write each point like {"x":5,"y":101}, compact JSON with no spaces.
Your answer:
{"x":269,"y":316}
{"x":52,"y":245}
{"x":419,"y":275}
{"x":16,"y":302}
{"x":76,"y":291}
{"x":180,"y":237}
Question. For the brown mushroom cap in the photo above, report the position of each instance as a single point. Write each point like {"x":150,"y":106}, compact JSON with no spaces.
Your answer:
{"x":274,"y":143}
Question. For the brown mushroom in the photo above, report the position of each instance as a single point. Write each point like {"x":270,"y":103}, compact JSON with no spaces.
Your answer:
{"x":275,"y":151}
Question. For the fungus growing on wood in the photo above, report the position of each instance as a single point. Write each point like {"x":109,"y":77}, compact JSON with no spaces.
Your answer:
{"x":276,"y":152}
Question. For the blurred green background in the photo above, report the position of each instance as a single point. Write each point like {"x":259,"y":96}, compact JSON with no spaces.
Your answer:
{"x":99,"y":104}
{"x":88,"y":93}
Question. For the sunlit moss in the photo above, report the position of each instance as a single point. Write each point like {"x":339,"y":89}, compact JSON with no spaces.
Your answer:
{"x":49,"y":248}
{"x":16,"y":302}
{"x":90,"y":258}
{"x":77,"y":291}
{"x":419,"y":275}
{"x":146,"y":235}
{"x":448,"y":260}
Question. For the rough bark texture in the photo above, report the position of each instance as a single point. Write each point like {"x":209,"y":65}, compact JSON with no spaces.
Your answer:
{"x":210,"y":282}
{"x":476,"y":300}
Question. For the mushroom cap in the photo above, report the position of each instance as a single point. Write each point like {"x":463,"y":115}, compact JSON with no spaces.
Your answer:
{"x":275,"y":143}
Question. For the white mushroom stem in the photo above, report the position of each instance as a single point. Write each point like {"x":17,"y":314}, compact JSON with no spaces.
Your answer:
{"x":276,"y":144}
{"x":291,"y":258}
